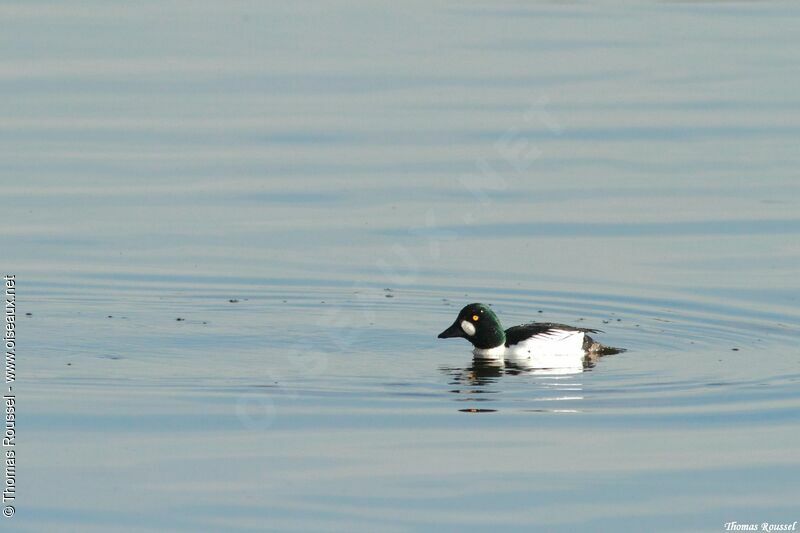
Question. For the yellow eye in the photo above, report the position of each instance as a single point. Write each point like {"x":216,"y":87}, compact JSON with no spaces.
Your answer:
{"x":475,"y":318}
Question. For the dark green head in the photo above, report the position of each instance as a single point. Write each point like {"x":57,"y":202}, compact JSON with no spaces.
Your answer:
{"x":479,"y":325}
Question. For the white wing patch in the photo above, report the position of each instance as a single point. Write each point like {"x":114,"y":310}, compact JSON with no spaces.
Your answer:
{"x":556,"y":348}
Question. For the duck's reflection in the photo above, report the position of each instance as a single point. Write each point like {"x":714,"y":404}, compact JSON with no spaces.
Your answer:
{"x":484,"y":371}
{"x":480,"y":373}
{"x":478,"y":382}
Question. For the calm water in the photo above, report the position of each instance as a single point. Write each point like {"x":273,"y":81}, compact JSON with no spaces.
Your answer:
{"x":350,"y":175}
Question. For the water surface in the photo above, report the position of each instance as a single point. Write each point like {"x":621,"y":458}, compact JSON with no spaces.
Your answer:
{"x":239,"y":227}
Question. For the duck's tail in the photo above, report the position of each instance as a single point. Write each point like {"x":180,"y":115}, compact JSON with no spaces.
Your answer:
{"x":596,"y":349}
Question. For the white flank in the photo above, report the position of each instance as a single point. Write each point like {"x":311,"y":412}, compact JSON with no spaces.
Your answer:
{"x":555,"y":349}
{"x":468,"y":328}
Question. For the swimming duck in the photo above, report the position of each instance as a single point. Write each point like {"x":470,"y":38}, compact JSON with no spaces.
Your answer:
{"x":533,"y":345}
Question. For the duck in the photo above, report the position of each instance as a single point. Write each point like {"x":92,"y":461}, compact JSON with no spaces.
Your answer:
{"x":545,"y":345}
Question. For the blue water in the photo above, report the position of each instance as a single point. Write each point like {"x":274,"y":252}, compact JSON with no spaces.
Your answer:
{"x":239,"y":227}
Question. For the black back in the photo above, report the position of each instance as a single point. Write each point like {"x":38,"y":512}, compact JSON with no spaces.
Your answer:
{"x":525,"y":331}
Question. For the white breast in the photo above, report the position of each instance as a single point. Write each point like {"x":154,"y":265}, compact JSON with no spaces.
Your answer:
{"x":498,"y":352}
{"x":555,"y":349}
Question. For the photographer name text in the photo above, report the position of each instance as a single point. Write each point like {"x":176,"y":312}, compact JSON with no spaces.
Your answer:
{"x":9,"y":400}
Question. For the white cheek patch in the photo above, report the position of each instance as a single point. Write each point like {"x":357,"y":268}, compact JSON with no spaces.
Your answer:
{"x":468,"y":328}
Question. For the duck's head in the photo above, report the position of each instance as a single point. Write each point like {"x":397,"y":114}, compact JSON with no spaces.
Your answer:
{"x":479,"y":325}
